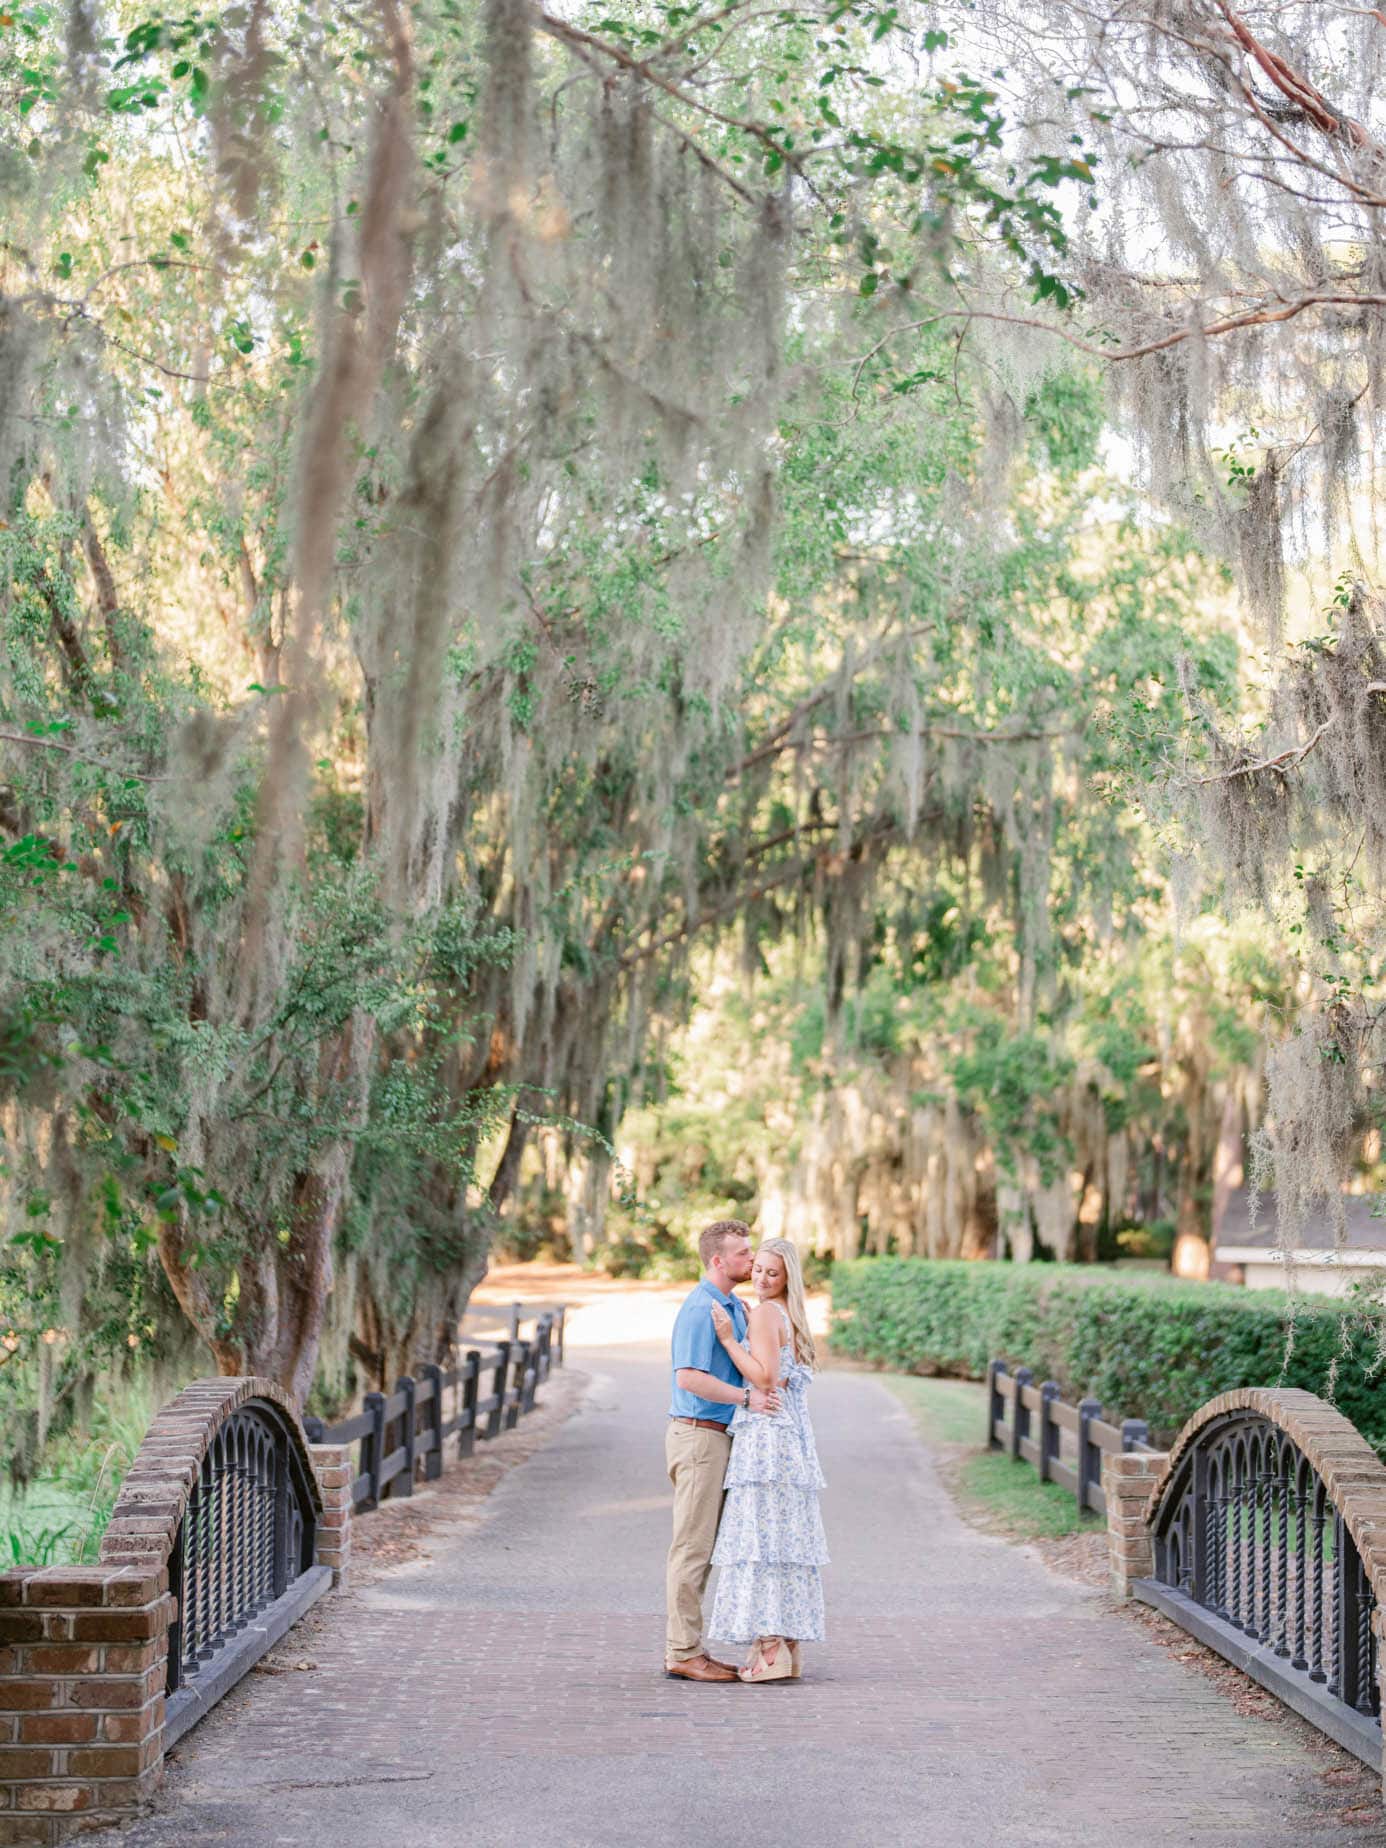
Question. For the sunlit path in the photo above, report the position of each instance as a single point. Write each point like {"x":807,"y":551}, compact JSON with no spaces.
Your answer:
{"x":507,"y":1690}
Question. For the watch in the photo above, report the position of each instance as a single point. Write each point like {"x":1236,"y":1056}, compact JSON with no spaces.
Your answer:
{"x":746,"y":1402}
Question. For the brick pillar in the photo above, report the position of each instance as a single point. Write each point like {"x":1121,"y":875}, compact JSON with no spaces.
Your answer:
{"x":1127,"y":1480}
{"x":332,"y":1467}
{"x":83,"y":1656}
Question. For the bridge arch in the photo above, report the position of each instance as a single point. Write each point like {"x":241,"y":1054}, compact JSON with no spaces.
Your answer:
{"x":1268,"y":1530}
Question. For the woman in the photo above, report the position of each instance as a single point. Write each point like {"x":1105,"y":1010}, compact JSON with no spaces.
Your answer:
{"x":770,"y":1544}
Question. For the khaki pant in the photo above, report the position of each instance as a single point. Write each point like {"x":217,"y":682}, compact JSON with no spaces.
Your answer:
{"x":697,"y":1461}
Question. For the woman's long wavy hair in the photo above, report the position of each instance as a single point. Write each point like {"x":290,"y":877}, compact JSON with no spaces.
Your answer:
{"x":795,"y":1306}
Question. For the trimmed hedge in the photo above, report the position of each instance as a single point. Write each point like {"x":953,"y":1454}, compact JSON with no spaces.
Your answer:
{"x":1148,"y":1346}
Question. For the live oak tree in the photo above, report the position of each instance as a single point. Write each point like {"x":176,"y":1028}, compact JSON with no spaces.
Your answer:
{"x":391,"y":446}
{"x":1232,"y":287}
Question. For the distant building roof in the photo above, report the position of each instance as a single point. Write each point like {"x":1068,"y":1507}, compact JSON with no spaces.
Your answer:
{"x":1363,"y":1233}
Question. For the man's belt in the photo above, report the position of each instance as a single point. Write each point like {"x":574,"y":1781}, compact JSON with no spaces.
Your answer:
{"x":703,"y":1424}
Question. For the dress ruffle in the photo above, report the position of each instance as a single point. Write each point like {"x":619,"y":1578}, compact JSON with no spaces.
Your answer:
{"x":771,"y":1543}
{"x":772,"y":1524}
{"x":765,"y":1600}
{"x":778,"y":1449}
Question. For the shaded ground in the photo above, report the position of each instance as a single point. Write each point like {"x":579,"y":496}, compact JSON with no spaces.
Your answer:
{"x":502,"y":1684}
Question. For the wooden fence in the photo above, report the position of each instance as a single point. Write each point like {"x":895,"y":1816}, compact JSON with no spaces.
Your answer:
{"x":403,"y":1434}
{"x":1065,"y":1443}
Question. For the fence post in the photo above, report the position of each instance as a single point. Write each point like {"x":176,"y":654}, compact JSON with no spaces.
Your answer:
{"x":512,"y":1417}
{"x":373,"y":1447}
{"x":403,"y":1483}
{"x":543,"y":1337}
{"x":1134,"y":1431}
{"x":515,"y":1310}
{"x":471,"y":1383}
{"x":996,"y":1405}
{"x":1020,"y":1424}
{"x":1088,"y":1409}
{"x":560,"y":1321}
{"x":493,"y":1423}
{"x":1048,"y":1430}
{"x":433,"y":1452}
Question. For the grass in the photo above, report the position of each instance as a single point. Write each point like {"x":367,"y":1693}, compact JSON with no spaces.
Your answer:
{"x":1006,"y":1496}
{"x":58,"y":1518}
{"x":49,"y":1523}
{"x":1014,"y":1499}
{"x":945,"y":1411}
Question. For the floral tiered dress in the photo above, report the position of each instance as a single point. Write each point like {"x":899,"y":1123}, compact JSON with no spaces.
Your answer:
{"x":771,"y":1544}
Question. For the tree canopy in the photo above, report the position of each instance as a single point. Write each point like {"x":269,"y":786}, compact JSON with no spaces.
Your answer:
{"x":524,"y":525}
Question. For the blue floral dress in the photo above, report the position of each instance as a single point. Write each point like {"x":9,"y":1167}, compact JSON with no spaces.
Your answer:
{"x":771,"y":1544}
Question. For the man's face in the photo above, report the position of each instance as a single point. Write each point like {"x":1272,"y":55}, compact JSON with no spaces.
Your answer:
{"x":736,"y":1256}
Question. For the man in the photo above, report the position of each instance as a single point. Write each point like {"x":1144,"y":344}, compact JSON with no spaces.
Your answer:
{"x":707,"y":1390}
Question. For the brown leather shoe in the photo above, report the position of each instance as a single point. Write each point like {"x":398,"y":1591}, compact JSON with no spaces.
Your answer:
{"x":700,"y":1668}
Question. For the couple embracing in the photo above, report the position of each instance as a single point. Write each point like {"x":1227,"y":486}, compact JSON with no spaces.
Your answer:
{"x":742,"y":1461}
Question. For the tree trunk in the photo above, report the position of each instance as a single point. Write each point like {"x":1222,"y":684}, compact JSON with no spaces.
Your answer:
{"x":1013,"y":1221}
{"x":1228,"y":1160}
{"x":586,"y":1188}
{"x":283,"y":1290}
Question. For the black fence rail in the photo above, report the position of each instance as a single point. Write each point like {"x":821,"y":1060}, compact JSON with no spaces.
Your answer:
{"x":403,"y":1435}
{"x":1066,"y":1443}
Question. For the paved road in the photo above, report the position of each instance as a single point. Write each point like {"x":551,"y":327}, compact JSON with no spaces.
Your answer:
{"x":507,"y":1692}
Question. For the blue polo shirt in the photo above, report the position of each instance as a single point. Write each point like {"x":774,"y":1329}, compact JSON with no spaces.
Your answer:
{"x":696,"y":1345}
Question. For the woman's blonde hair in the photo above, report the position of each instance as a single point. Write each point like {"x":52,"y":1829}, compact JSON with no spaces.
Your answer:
{"x":795,"y":1306}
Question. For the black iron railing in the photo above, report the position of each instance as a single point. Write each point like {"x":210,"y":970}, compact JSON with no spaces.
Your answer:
{"x":246,"y":1538}
{"x":403,"y":1434}
{"x":1253,"y":1556}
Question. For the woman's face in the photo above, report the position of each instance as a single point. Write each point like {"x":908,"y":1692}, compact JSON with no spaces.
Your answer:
{"x":767,"y":1275}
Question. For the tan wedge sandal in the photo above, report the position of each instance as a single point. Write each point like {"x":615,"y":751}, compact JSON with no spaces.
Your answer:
{"x":768,"y":1664}
{"x":796,"y":1666}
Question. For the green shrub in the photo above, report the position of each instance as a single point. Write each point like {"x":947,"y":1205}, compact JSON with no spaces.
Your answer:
{"x":1146,"y":1346}
{"x":622,"y":1257}
{"x":1153,"y":1241}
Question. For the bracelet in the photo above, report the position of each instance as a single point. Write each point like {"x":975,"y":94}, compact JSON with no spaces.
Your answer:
{"x":746,"y":1402}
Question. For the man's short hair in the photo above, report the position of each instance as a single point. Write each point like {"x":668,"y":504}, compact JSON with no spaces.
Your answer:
{"x":712,"y":1238}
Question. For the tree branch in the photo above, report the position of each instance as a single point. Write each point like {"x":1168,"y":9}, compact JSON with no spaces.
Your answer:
{"x":1285,"y":760}
{"x":882,"y":830}
{"x":575,"y":37}
{"x":107,"y":596}
{"x":85,"y":757}
{"x":1263,"y":314}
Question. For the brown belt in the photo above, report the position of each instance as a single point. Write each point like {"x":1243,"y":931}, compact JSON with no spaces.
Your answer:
{"x":703,"y":1424}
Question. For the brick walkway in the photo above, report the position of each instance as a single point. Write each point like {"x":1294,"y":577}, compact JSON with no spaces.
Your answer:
{"x":506,"y":1691}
